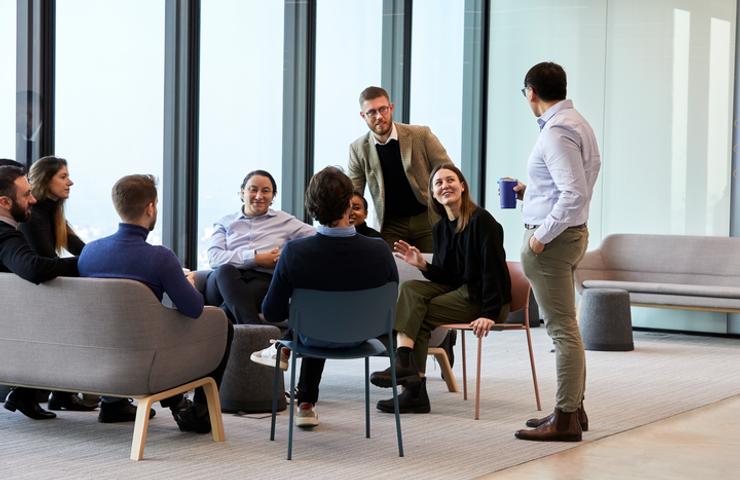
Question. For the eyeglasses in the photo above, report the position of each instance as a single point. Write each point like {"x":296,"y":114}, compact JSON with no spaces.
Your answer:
{"x":380,"y":111}
{"x":524,"y":92}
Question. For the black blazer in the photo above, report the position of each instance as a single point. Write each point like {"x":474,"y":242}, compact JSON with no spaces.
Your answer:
{"x":17,"y":256}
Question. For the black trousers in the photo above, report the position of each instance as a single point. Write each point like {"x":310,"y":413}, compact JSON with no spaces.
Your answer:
{"x":310,"y":377}
{"x":238,"y":292}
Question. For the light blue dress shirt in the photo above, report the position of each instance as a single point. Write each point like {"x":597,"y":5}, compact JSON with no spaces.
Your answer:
{"x":237,"y":237}
{"x":562,"y":170}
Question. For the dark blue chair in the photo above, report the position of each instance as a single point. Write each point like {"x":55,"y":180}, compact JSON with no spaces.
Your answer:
{"x":352,"y":317}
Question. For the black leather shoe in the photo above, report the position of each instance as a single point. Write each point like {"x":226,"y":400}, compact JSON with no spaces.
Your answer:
{"x":121,"y":411}
{"x":411,"y":400}
{"x":27,"y":407}
{"x":195,"y":418}
{"x":68,"y":401}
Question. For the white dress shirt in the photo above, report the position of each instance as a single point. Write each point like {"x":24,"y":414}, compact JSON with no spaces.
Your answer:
{"x":562,"y":170}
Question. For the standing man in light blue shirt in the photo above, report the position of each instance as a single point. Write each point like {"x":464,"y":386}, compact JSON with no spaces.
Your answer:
{"x":562,"y":169}
{"x":245,"y":247}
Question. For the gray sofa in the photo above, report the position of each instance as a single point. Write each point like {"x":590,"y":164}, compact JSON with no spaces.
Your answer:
{"x":667,"y":271}
{"x":111,"y":337}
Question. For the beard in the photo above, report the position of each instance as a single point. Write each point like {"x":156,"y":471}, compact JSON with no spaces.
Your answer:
{"x":19,"y":215}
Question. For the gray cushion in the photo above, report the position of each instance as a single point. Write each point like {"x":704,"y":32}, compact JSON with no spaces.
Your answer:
{"x":667,"y":288}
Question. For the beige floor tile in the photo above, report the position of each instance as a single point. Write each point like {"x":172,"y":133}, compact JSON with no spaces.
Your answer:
{"x":700,"y":444}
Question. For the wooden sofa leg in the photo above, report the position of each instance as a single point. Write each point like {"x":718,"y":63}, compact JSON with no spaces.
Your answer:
{"x":214,"y":410}
{"x":141,"y":428}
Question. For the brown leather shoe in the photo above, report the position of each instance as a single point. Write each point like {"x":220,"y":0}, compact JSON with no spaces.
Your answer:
{"x":561,"y":427}
{"x":582,"y":419}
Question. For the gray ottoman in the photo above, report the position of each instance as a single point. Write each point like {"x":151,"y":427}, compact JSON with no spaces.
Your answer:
{"x":605,"y":320}
{"x":247,"y":386}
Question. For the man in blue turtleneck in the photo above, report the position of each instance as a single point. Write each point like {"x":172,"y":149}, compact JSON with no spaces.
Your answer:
{"x":126,"y":254}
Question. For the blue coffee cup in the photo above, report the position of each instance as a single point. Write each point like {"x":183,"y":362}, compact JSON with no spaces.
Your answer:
{"x":507,"y":195}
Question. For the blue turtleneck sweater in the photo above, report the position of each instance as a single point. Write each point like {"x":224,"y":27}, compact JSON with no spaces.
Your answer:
{"x":125,"y":254}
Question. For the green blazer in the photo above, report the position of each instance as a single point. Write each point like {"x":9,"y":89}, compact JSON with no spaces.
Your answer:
{"x":421,"y":151}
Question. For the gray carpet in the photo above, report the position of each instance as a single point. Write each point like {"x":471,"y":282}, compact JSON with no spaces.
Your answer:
{"x":664,"y":376}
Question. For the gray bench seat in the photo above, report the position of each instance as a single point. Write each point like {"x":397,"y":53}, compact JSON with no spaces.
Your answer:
{"x":670,"y":271}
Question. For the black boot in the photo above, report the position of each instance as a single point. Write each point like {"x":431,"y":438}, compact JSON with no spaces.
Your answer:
{"x":407,"y":374}
{"x":413,"y":399}
{"x":120,"y":411}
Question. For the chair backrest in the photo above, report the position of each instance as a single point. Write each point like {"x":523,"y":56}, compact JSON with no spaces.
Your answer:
{"x":343,"y":317}
{"x":520,"y":289}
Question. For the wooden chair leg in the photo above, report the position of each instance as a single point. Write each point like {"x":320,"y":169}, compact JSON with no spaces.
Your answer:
{"x":534,"y":370}
{"x":214,"y":410}
{"x":444,"y":364}
{"x":477,"y":379}
{"x":465,"y":367}
{"x":141,"y":428}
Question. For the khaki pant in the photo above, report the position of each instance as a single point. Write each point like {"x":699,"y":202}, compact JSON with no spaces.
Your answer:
{"x":423,"y":306}
{"x":415,"y":230}
{"x":551,"y":276}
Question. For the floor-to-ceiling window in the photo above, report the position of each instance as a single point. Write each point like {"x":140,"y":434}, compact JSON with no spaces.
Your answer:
{"x":348,"y":55}
{"x":241,"y":98}
{"x":437,"y":70}
{"x":348,"y":51}
{"x":109,"y":102}
{"x":7,"y":78}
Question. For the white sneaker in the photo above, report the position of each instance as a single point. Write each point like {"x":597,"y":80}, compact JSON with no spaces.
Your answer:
{"x":306,"y":416}
{"x":266,"y":357}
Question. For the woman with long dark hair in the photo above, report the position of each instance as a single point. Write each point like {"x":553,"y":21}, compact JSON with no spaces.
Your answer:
{"x":468,"y":282}
{"x":49,"y":234}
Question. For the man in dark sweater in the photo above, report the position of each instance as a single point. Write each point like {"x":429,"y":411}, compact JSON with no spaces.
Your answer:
{"x":17,"y":256}
{"x":394,"y":160}
{"x":126,"y":254}
{"x":335,"y":259}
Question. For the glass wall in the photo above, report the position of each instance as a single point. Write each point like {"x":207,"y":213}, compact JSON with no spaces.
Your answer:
{"x":109,"y":102}
{"x":348,"y":51}
{"x":655,"y":80}
{"x":348,"y":59}
{"x":437,"y":35}
{"x":7,"y":79}
{"x":241,"y":99}
{"x":521,"y":36}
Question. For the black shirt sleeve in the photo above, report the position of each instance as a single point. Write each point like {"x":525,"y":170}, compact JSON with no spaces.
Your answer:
{"x":74,"y":243}
{"x":495,"y":284}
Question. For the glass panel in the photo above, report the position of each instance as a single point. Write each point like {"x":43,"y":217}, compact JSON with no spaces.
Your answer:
{"x":348,"y":60}
{"x":109,"y":103}
{"x":437,"y":35}
{"x":7,"y":79}
{"x":668,"y":107}
{"x":241,"y":99}
{"x":522,"y":35}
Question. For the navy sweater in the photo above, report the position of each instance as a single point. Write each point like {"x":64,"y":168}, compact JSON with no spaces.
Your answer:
{"x":327,"y":263}
{"x":125,"y":254}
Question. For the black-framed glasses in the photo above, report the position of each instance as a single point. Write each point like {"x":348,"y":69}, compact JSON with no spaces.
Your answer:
{"x":380,"y":111}
{"x":524,"y":92}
